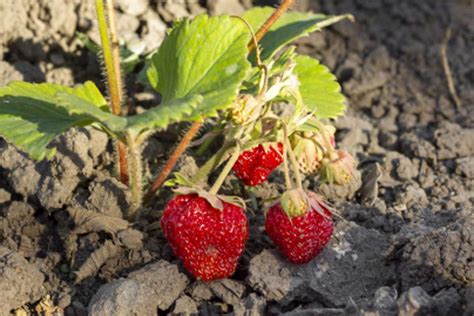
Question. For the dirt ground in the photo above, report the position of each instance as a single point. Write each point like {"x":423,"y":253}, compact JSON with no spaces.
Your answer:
{"x":406,"y":244}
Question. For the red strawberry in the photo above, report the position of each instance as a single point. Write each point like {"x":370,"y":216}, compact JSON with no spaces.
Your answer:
{"x":209,"y":241}
{"x":255,"y":165}
{"x":300,"y":238}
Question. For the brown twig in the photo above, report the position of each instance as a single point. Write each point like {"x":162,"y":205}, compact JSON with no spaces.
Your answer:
{"x":447,"y":69}
{"x":188,"y":137}
{"x":270,"y":21}
{"x":173,"y":159}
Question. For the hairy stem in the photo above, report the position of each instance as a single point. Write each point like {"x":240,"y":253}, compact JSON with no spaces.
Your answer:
{"x":173,"y":159}
{"x":225,"y":172}
{"x":286,"y":170}
{"x":136,"y":172}
{"x":270,"y":21}
{"x":111,"y":57}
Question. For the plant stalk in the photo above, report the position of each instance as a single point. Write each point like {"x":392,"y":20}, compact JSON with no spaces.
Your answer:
{"x":270,"y":21}
{"x":136,"y":174}
{"x":111,"y":55}
{"x":173,"y":159}
{"x":211,"y":164}
{"x":295,"y":166}
{"x":225,"y":172}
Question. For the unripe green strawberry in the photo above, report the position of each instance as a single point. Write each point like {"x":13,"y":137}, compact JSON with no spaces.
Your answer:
{"x":310,"y":148}
{"x":338,"y":167}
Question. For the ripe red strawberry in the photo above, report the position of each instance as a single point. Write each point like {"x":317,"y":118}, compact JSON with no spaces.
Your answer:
{"x":209,"y":241}
{"x":255,"y":165}
{"x":300,"y":238}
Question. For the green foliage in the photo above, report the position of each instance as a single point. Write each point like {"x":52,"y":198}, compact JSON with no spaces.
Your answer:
{"x":32,"y":115}
{"x":168,"y":112}
{"x":288,"y":28}
{"x":207,"y":57}
{"x":31,"y":118}
{"x":319,"y":88}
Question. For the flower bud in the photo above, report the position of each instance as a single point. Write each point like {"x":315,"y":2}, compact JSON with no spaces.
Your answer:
{"x":244,"y":110}
{"x":308,"y":154}
{"x":338,"y":167}
{"x":295,"y":202}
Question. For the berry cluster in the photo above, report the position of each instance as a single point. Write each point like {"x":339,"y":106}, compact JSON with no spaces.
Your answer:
{"x":209,"y":237}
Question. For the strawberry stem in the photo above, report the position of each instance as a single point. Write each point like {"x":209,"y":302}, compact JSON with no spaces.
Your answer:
{"x":286,"y":171}
{"x":214,"y":162}
{"x":295,"y":166}
{"x":173,"y":159}
{"x":294,"y":163}
{"x":270,"y":21}
{"x":111,"y":57}
{"x":225,"y":172}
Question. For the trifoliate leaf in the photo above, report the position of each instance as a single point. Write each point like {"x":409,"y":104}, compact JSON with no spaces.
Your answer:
{"x":30,"y":115}
{"x":207,"y":57}
{"x":161,"y":116}
{"x":319,"y":88}
{"x":289,"y":27}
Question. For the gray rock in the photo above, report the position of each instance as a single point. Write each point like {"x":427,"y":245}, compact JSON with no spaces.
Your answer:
{"x":370,"y":184}
{"x":434,"y":259}
{"x":127,"y":26}
{"x":108,"y":196}
{"x":228,"y":290}
{"x":350,"y":266}
{"x":414,"y":146}
{"x":385,"y":301}
{"x":219,"y":7}
{"x":252,"y":305}
{"x":415,"y":302}
{"x":185,"y":306}
{"x":135,"y":7}
{"x":465,"y":167}
{"x":354,"y":267}
{"x":53,"y":182}
{"x":155,"y":31}
{"x":275,"y":278}
{"x":453,"y":141}
{"x":8,"y":73}
{"x":448,"y":302}
{"x":411,"y":195}
{"x":20,"y":281}
{"x":155,"y":286}
{"x":5,"y":196}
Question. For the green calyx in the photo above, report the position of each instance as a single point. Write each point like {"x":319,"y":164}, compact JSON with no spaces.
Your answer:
{"x":295,"y":202}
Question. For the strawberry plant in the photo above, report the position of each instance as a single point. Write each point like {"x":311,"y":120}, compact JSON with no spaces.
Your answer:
{"x":270,"y":105}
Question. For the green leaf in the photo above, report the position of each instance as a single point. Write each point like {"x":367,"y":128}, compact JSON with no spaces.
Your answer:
{"x":173,"y":111}
{"x":207,"y":57}
{"x":31,"y":118}
{"x":288,"y":28}
{"x":319,"y":88}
